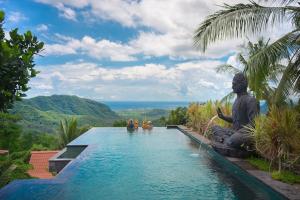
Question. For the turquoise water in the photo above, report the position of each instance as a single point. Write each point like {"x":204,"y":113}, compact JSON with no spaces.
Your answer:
{"x":158,"y":164}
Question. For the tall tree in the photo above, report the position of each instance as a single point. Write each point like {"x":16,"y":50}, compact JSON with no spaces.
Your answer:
{"x":16,"y":64}
{"x":241,"y":19}
{"x":259,"y":82}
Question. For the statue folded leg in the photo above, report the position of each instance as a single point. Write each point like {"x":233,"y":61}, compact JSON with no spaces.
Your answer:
{"x":220,"y":134}
{"x":241,"y":139}
{"x":229,"y":142}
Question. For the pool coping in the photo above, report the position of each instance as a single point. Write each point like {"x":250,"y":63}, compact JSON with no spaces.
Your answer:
{"x":287,"y":190}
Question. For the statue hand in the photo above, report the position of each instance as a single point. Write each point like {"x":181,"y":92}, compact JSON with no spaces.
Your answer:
{"x":220,"y":113}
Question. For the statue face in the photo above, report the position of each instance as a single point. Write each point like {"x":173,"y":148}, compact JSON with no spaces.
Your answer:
{"x":239,"y":83}
{"x":235,"y":87}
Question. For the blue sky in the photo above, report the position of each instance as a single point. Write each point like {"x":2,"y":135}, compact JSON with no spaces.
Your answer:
{"x":118,"y":50}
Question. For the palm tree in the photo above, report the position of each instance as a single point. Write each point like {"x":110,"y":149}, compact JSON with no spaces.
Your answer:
{"x":259,"y":81}
{"x":68,"y":131}
{"x":241,"y":19}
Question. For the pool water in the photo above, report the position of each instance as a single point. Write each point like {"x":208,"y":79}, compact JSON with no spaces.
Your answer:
{"x":158,"y":164}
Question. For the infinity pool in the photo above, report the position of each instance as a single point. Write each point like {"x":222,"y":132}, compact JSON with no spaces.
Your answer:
{"x":158,"y":164}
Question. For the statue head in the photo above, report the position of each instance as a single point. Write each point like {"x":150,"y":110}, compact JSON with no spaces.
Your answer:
{"x":239,"y":83}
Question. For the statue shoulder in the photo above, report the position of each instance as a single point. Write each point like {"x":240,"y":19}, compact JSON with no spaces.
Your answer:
{"x":251,"y":98}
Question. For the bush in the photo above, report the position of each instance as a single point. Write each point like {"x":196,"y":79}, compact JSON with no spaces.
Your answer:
{"x":202,"y":116}
{"x":177,"y":116}
{"x":14,"y":166}
{"x":38,"y":147}
{"x":277,"y":136}
{"x":23,"y":156}
{"x":33,"y":140}
{"x":120,"y":123}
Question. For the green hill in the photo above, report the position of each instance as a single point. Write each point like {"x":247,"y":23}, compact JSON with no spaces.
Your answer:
{"x":43,"y":113}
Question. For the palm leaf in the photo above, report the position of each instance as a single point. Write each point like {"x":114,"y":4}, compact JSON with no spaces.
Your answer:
{"x":243,"y":61}
{"x":229,"y":97}
{"x":274,"y":52}
{"x":286,"y":2}
{"x":286,"y":84}
{"x":227,"y":68}
{"x":236,"y":21}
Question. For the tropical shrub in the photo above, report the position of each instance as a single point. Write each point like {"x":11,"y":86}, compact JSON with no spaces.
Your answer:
{"x":202,"y":116}
{"x":277,"y":136}
{"x":14,"y":166}
{"x":42,"y":141}
{"x":68,"y":131}
{"x":120,"y":123}
{"x":177,"y":116}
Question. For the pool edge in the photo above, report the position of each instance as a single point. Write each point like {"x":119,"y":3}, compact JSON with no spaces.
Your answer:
{"x":283,"y":189}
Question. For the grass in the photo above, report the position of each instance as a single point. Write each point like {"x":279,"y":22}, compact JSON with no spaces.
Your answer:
{"x":259,"y":163}
{"x":284,"y":176}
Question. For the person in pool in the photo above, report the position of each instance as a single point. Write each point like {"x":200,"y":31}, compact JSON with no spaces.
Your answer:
{"x":130,"y":124}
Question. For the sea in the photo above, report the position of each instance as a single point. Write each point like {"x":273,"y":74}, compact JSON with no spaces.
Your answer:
{"x":136,"y":105}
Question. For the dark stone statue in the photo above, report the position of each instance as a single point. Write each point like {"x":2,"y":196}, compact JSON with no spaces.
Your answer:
{"x":233,"y":141}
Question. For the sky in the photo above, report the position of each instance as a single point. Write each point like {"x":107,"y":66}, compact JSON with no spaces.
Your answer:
{"x":126,"y":50}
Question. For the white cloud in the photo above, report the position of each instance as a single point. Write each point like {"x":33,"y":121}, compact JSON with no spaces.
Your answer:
{"x":6,"y":35}
{"x":171,"y":22}
{"x":185,"y":81}
{"x":66,"y":12}
{"x":166,"y":29}
{"x":16,"y":17}
{"x":42,"y":28}
{"x":93,"y":48}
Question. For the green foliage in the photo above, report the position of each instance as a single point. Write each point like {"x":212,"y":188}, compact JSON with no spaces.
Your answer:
{"x":277,"y":136}
{"x":286,"y":176}
{"x":177,"y":116}
{"x":22,"y":156}
{"x":38,"y":147}
{"x":202,"y":116}
{"x":261,"y":164}
{"x":236,"y":21}
{"x":14,"y":166}
{"x":9,"y":132}
{"x":16,"y":64}
{"x":68,"y":131}
{"x":120,"y":123}
{"x":39,"y":141}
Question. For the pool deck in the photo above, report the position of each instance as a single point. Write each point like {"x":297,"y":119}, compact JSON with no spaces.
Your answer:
{"x":289,"y":191}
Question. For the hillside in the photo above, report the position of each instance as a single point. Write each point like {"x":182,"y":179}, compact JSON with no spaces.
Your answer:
{"x":43,"y":113}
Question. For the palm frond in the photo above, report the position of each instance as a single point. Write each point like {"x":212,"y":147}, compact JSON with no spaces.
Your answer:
{"x":236,"y":21}
{"x":229,"y":97}
{"x":243,"y":61}
{"x":227,"y":68}
{"x":286,"y":2}
{"x":274,"y":52}
{"x":286,"y":84}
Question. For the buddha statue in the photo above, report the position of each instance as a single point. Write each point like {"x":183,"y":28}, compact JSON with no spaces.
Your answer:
{"x":244,"y":110}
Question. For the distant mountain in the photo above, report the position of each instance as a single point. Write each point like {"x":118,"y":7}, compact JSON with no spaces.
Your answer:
{"x":43,"y":113}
